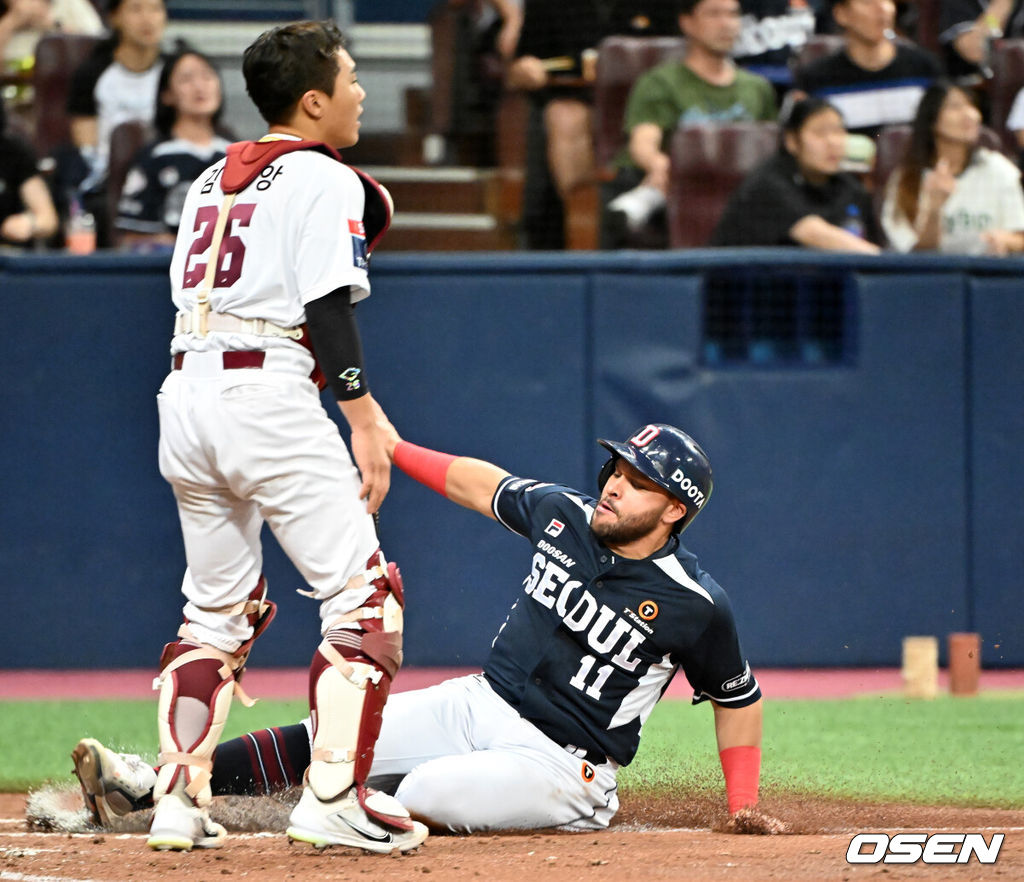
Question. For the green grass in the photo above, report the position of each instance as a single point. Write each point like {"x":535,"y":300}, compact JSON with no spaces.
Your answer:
{"x":37,"y":736}
{"x":950,"y":751}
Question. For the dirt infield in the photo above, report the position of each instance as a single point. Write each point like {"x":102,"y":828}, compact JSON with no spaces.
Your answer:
{"x":651,"y":840}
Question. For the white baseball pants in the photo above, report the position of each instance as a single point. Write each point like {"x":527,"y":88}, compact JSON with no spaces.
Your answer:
{"x":240,"y":447}
{"x":473,"y":764}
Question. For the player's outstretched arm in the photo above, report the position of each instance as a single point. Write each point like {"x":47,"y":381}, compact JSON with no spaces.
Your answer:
{"x":469,"y":482}
{"x":738,"y":732}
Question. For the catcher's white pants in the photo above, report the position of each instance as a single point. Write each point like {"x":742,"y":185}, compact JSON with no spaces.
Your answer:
{"x":472,"y":763}
{"x":245,"y":446}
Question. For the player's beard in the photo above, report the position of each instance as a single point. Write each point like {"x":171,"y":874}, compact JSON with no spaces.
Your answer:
{"x":625,"y":529}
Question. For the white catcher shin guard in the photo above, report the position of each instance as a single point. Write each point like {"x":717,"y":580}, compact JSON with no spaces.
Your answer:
{"x":350,"y":678}
{"x":196,"y":683}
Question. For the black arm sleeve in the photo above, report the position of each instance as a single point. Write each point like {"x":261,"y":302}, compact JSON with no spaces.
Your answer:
{"x":331,"y":320}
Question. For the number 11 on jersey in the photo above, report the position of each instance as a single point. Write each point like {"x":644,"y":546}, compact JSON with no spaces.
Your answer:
{"x":580,"y":679}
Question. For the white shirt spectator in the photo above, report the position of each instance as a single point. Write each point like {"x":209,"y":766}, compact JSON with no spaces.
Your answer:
{"x":988,"y":196}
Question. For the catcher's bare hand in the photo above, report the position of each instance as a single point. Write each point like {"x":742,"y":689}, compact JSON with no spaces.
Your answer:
{"x":751,"y":821}
{"x":369,"y":450}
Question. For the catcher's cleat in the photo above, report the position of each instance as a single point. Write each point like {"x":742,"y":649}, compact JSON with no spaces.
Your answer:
{"x":113,"y":784}
{"x":343,"y":821}
{"x":180,"y":826}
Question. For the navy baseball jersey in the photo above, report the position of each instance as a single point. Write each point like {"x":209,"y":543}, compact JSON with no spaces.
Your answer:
{"x":594,"y":640}
{"x":157,"y":184}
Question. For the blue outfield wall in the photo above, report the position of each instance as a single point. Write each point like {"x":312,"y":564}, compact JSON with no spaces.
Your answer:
{"x":855,"y":502}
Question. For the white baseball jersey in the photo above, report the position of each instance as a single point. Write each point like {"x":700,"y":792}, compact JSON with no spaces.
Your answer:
{"x":293,"y":235}
{"x":245,"y":446}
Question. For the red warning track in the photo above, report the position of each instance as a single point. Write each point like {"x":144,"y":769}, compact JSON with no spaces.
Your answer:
{"x":290,"y":683}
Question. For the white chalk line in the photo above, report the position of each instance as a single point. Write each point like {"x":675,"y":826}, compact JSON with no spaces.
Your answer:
{"x":27,"y":877}
{"x":21,"y":834}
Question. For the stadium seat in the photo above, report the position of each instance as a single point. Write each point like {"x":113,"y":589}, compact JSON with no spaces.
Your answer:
{"x":620,"y":61}
{"x":928,"y":24}
{"x":57,"y":58}
{"x":1007,"y":80}
{"x":708,"y":163}
{"x":817,"y":46}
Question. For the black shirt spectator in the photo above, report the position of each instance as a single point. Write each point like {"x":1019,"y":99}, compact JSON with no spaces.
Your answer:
{"x":775,"y":196}
{"x":798,"y":197}
{"x":871,"y":99}
{"x":26,"y":210}
{"x":553,"y":30}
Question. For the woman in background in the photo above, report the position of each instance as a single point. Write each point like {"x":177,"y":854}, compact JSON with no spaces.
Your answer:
{"x":799,"y":196}
{"x":949,"y":194}
{"x":189,"y":106}
{"x":27,"y":214}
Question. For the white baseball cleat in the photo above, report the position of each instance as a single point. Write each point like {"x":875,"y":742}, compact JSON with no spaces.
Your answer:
{"x":113,"y":784}
{"x":180,"y":826}
{"x":343,"y":822}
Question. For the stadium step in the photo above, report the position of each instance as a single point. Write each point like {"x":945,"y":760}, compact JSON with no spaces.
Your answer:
{"x":446,"y":208}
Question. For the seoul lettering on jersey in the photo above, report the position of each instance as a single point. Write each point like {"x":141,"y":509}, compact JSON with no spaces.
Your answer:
{"x":583,"y":612}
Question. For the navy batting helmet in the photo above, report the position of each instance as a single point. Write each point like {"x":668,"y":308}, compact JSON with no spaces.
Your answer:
{"x":670,"y":458}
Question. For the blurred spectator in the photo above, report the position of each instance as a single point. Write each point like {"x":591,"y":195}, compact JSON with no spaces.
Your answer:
{"x":966,"y":30}
{"x":24,"y":22}
{"x":189,"y":139}
{"x":472,"y":43}
{"x":27,"y":214}
{"x":799,"y":196}
{"x":705,"y":86}
{"x":949,"y":194}
{"x":554,"y":61}
{"x":117,"y":83}
{"x":503,"y":22}
{"x":771,"y":32}
{"x":874,"y":80}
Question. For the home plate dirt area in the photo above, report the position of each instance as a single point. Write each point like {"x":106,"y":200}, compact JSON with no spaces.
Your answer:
{"x":664,"y":838}
{"x":677,"y":836}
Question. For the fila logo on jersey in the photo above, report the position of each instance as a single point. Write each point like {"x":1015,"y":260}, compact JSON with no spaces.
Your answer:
{"x":554,"y":528}
{"x":358,"y":231}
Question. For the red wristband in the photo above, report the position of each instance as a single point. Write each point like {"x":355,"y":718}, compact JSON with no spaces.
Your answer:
{"x":742,"y":769}
{"x":426,"y":466}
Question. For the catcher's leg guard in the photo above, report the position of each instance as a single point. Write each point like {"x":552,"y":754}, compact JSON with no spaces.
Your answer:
{"x":350,"y":678}
{"x":196,"y":684}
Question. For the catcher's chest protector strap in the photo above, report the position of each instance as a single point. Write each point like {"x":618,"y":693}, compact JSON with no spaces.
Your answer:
{"x":247,"y":159}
